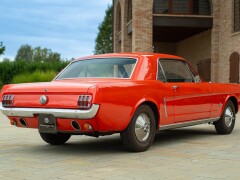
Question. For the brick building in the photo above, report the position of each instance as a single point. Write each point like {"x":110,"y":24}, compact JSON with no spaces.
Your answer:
{"x":205,"y":32}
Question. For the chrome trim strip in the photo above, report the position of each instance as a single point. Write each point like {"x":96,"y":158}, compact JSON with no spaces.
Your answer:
{"x":190,"y":123}
{"x":59,"y":113}
{"x":165,"y":106}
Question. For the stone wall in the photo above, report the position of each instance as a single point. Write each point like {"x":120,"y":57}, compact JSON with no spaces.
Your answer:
{"x":215,"y":42}
{"x":142,"y":28}
{"x":224,"y":40}
{"x":141,"y":38}
{"x":195,"y":48}
{"x":117,"y":6}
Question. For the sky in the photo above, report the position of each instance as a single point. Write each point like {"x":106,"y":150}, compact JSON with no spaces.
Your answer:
{"x":68,"y":27}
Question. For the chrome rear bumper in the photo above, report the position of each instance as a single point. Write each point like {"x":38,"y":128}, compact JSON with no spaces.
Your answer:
{"x":59,"y":113}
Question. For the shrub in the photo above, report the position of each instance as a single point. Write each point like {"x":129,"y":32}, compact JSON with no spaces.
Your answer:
{"x":37,"y":76}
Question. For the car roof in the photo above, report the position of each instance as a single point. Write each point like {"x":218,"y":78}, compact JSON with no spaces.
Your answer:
{"x":133,"y":55}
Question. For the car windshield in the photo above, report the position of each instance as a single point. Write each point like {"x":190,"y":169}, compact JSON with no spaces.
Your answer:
{"x":100,"y":68}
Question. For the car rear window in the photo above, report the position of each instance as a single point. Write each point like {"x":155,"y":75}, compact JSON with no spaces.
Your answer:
{"x":100,"y":68}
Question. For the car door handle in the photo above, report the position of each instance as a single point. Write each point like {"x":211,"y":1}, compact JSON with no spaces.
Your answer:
{"x":175,"y":87}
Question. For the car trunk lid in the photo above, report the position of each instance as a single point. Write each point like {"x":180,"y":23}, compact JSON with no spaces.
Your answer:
{"x":59,"y":94}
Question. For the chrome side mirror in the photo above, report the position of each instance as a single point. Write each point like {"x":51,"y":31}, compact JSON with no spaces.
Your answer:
{"x":197,"y":79}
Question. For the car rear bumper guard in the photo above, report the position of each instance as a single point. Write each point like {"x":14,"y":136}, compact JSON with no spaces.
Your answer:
{"x":59,"y":113}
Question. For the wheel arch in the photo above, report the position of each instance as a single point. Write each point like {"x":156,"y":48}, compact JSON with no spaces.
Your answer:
{"x":154,"y":108}
{"x":234,"y":101}
{"x":145,"y":101}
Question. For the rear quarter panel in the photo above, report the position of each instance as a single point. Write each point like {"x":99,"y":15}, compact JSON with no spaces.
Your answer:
{"x":221,"y":94}
{"x":119,"y":101}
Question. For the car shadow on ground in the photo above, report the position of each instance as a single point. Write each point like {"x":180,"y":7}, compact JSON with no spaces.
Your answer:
{"x":182,"y":134}
{"x":112,"y":144}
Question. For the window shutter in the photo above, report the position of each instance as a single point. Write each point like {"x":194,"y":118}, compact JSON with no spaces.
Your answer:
{"x":234,"y":68}
{"x":204,"y":69}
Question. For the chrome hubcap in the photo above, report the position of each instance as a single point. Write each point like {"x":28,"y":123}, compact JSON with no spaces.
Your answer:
{"x":229,"y":117}
{"x":142,"y":127}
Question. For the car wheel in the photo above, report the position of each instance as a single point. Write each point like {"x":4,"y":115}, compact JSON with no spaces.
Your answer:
{"x":140,"y":133}
{"x":55,"y":139}
{"x":226,"y":123}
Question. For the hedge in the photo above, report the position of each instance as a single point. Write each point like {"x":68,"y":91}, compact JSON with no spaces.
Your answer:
{"x":9,"y":69}
{"x":37,"y":76}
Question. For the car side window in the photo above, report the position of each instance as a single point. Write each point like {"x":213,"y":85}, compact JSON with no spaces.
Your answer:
{"x":176,"y":71}
{"x":160,"y":74}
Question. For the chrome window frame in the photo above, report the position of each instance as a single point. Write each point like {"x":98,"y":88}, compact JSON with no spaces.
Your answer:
{"x":186,"y":63}
{"x":159,"y":64}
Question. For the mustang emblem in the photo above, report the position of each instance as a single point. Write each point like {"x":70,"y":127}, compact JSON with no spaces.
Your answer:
{"x":46,"y":120}
{"x":43,"y":99}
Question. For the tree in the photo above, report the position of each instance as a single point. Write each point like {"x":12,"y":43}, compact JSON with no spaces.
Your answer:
{"x":2,"y":48}
{"x":25,"y":53}
{"x":37,"y":54}
{"x":6,"y":60}
{"x":103,"y":42}
{"x":44,"y":54}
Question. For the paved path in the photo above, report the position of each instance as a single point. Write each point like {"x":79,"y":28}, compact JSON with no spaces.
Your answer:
{"x":187,"y":153}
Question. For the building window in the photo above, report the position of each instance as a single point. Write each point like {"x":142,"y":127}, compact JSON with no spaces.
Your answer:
{"x":161,"y":7}
{"x":191,"y":7}
{"x":201,"y":7}
{"x":118,"y":29}
{"x":236,"y":15}
{"x":129,"y":13}
{"x":180,"y":7}
{"x":119,"y":21}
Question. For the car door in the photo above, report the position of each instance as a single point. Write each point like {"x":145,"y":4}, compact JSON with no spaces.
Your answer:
{"x":192,"y":100}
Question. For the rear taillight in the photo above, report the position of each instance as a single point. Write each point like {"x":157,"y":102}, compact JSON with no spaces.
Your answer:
{"x":7,"y":100}
{"x":84,"y":101}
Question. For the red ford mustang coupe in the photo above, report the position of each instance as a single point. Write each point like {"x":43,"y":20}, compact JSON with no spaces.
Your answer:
{"x":134,"y":94}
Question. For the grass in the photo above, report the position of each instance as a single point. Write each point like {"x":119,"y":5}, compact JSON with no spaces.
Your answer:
{"x":37,"y":76}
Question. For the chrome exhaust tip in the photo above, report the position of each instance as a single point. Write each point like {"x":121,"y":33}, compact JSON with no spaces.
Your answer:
{"x":76,"y":126}
{"x":13,"y":122}
{"x":23,"y":122}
